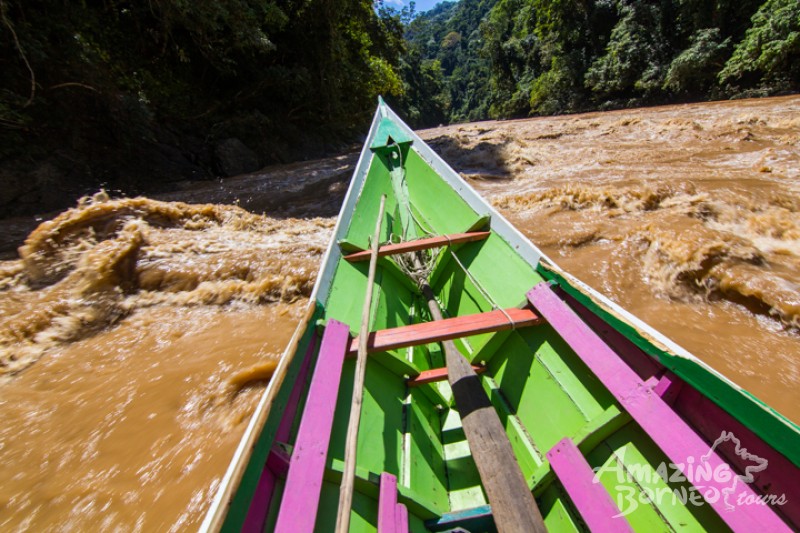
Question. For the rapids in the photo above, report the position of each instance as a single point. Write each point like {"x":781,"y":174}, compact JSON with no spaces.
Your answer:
{"x":136,"y":334}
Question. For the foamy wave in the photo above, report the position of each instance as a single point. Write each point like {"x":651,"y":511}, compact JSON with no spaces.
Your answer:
{"x":692,"y":261}
{"x":96,"y":263}
{"x":691,"y":244}
{"x":615,"y":200}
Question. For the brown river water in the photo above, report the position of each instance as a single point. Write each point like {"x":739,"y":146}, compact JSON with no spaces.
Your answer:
{"x":136,"y":334}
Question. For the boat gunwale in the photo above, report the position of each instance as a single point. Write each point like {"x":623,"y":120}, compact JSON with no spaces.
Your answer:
{"x":231,"y":481}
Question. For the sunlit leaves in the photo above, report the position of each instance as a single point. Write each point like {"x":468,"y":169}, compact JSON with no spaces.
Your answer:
{"x":771,"y":47}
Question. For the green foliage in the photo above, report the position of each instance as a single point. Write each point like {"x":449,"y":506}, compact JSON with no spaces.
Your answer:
{"x":424,"y":100}
{"x":561,"y":29}
{"x":695,"y":69}
{"x":560,"y":56}
{"x":447,"y":45}
{"x":770,"y":51}
{"x":123,"y":74}
{"x":114,"y":73}
{"x":514,"y":54}
{"x":636,"y":54}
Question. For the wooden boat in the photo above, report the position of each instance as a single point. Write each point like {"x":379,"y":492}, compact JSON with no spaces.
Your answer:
{"x":533,"y":403}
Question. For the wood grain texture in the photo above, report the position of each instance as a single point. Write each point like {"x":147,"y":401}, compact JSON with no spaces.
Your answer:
{"x":446,"y":329}
{"x":513,"y":506}
{"x":420,"y":244}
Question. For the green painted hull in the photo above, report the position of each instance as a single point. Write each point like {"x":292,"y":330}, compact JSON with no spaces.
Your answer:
{"x":542,"y":391}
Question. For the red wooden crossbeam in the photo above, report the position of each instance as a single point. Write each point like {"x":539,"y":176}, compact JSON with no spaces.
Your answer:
{"x":420,"y":244}
{"x":447,"y":329}
{"x":437,"y":374}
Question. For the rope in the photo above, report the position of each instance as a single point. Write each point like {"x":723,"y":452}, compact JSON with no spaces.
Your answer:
{"x":479,"y":287}
{"x":428,"y":259}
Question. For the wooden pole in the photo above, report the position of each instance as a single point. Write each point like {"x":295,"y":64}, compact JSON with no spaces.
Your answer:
{"x":348,"y":476}
{"x":513,"y":506}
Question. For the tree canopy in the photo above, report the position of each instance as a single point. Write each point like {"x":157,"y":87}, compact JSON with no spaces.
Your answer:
{"x":513,"y":58}
{"x":115,"y":73}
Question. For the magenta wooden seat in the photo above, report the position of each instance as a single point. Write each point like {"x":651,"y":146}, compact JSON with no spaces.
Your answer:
{"x":392,"y":516}
{"x":590,"y":498}
{"x":666,"y":428}
{"x":298,"y":511}
{"x":277,"y":462}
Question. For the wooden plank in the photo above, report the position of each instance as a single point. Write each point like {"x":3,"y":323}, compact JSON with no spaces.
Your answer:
{"x":387,"y":504}
{"x":665,"y":427}
{"x":447,"y":329}
{"x":278,"y":463}
{"x":711,"y":420}
{"x":420,"y":244}
{"x":512,"y":503}
{"x":232,"y":499}
{"x":298,"y":511}
{"x":351,"y":443}
{"x":436,"y":374}
{"x":590,"y":498}
{"x":668,"y":386}
{"x":401,"y":518}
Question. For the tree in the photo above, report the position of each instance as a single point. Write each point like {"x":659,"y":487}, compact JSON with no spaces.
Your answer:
{"x":695,"y":69}
{"x":637,"y":54}
{"x":107,"y":84}
{"x":769,"y":54}
{"x":514,"y":54}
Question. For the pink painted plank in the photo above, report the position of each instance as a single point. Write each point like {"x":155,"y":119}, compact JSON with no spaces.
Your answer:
{"x":387,"y":504}
{"x":298,"y":511}
{"x":641,"y":363}
{"x":278,"y":462}
{"x":671,"y":433}
{"x":259,"y":505}
{"x":285,"y":428}
{"x":593,"y":502}
{"x":668,"y":387}
{"x":780,"y":476}
{"x":401,"y":514}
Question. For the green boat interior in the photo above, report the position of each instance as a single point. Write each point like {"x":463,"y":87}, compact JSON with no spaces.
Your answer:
{"x":545,"y":388}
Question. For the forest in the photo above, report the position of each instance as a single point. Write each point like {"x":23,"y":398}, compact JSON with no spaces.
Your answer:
{"x":133,"y":96}
{"x":137,"y":95}
{"x":479,"y":59}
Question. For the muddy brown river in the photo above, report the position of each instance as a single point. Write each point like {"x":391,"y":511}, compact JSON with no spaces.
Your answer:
{"x":136,"y":334}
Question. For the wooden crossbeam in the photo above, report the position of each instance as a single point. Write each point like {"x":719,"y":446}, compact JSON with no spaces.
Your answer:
{"x":447,"y":329}
{"x":437,"y":374}
{"x":420,"y":244}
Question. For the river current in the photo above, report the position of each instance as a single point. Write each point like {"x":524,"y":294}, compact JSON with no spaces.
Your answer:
{"x":136,"y":334}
